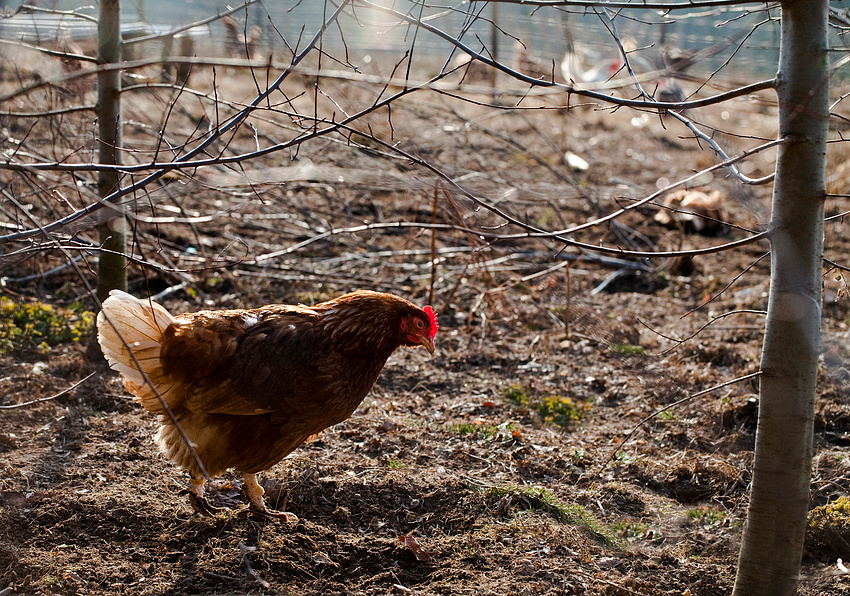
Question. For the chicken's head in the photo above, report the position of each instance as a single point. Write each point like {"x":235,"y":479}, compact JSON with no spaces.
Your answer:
{"x":419,"y":328}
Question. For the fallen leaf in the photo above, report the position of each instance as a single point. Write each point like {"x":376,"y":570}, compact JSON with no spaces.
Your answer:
{"x":413,"y":546}
{"x":609,"y":562}
{"x":320,"y":558}
{"x":575,"y":162}
{"x":488,"y":404}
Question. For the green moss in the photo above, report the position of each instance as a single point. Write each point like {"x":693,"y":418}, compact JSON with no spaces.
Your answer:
{"x":828,"y":531}
{"x":541,"y":499}
{"x":627,"y":349}
{"x":37,"y":325}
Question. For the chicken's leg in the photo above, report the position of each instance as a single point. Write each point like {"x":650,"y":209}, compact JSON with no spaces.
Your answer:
{"x":197,"y":499}
{"x":255,"y":494}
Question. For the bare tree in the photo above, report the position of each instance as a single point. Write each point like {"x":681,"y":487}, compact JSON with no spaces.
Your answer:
{"x":776,"y":520}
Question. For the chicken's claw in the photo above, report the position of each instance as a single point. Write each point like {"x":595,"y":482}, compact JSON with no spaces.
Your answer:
{"x":200,"y":504}
{"x":258,"y":504}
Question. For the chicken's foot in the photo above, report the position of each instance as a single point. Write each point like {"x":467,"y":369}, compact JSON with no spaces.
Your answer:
{"x":255,"y":494}
{"x":197,"y":500}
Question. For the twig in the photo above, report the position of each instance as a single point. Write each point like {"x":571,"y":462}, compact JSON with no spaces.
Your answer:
{"x":679,"y":341}
{"x":673,"y":405}
{"x":201,"y":23}
{"x":229,"y":125}
{"x":729,"y":285}
{"x":433,"y":246}
{"x":247,"y":562}
{"x":43,"y":274}
{"x":568,"y":299}
{"x":52,"y":397}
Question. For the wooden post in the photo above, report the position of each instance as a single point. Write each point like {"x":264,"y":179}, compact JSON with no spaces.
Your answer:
{"x":112,"y":272}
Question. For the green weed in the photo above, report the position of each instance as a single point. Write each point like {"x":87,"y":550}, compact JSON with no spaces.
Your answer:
{"x":668,"y":416}
{"x":556,"y":409}
{"x":37,"y":325}
{"x":562,"y":410}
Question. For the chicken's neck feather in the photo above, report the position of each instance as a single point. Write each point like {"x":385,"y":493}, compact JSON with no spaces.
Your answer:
{"x":369,"y":324}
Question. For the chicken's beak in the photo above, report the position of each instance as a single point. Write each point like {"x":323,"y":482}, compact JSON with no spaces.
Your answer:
{"x":428,"y":343}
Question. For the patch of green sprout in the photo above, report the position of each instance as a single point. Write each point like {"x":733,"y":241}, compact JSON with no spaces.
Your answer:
{"x":464,"y":428}
{"x":707,"y":515}
{"x":516,"y":395}
{"x":395,"y":464}
{"x":562,"y":411}
{"x":622,"y":458}
{"x":542,"y":499}
{"x":41,"y":326}
{"x":631,"y":529}
{"x":483,"y":431}
{"x":668,"y":416}
{"x":627,"y":349}
{"x":555,"y":409}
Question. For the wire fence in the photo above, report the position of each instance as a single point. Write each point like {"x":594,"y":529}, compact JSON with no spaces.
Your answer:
{"x":366,"y":33}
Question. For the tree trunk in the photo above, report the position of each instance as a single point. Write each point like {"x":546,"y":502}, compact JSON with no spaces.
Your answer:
{"x":112,"y":272}
{"x":771,"y":552}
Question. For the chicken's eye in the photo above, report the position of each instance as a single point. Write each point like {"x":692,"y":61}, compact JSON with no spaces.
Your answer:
{"x":419,"y":324}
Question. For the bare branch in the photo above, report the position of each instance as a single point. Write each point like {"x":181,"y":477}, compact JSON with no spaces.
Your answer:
{"x":50,"y":398}
{"x":676,"y":403}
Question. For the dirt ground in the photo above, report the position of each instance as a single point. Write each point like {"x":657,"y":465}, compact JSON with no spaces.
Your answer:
{"x":490,"y":468}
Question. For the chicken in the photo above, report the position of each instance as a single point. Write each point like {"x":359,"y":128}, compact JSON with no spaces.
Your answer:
{"x":693,"y":210}
{"x":241,"y":44}
{"x":249,"y":386}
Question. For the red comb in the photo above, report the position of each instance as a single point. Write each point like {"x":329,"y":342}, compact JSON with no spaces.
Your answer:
{"x":432,"y":319}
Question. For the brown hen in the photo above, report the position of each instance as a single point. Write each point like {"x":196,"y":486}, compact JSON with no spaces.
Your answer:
{"x":249,"y":386}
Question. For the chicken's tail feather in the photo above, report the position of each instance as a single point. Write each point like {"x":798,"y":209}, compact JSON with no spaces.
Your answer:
{"x":141,"y":324}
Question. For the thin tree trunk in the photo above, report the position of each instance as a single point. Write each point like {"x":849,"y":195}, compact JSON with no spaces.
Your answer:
{"x":112,"y":272}
{"x":771,"y":552}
